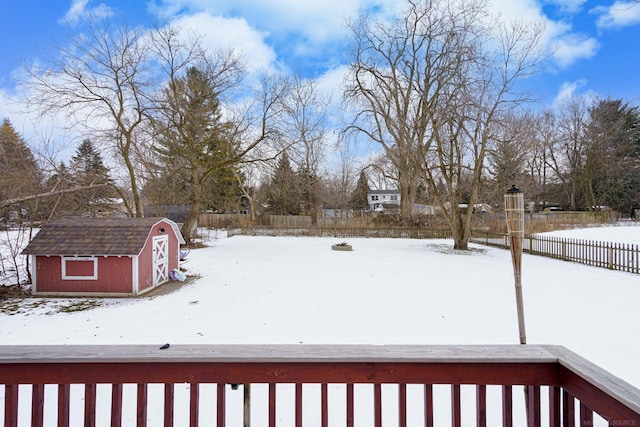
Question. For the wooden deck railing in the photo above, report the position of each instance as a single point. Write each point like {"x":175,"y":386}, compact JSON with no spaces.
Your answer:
{"x":316,"y":385}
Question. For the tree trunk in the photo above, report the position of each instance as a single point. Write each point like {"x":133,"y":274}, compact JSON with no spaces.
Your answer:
{"x":124,"y":149}
{"x":460,"y":235}
{"x":407,"y":196}
{"x":190,"y":224}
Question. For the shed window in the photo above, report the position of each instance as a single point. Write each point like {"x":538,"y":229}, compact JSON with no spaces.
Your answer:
{"x":80,"y":268}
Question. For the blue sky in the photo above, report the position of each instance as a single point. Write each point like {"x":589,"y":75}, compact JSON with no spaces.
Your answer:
{"x":595,"y":43}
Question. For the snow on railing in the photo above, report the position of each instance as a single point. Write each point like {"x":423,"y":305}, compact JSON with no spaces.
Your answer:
{"x":226,"y":385}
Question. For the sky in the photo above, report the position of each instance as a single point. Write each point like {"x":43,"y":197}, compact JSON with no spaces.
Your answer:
{"x":296,"y":290}
{"x":593,"y":43}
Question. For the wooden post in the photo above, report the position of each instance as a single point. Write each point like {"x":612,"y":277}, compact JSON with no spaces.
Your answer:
{"x":247,"y":405}
{"x":514,"y":210}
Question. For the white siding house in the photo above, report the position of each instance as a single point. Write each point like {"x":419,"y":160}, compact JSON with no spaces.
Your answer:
{"x":381,"y":200}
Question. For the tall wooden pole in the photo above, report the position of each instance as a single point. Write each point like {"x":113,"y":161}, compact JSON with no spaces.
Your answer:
{"x":247,"y":406}
{"x":514,"y":210}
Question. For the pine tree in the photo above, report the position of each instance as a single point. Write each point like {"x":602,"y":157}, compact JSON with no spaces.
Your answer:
{"x":87,"y":164}
{"x":284,"y":195}
{"x":359,"y":200}
{"x":195,"y":146}
{"x":611,"y":157}
{"x":87,"y":168}
{"x":20,"y":172}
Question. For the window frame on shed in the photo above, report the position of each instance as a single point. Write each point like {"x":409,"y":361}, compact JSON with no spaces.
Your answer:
{"x":65,"y":259}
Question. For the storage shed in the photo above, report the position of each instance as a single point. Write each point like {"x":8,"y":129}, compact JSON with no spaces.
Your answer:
{"x":103,"y":256}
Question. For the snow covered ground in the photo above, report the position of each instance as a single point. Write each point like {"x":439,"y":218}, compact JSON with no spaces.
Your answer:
{"x":386,"y":291}
{"x":618,"y":234}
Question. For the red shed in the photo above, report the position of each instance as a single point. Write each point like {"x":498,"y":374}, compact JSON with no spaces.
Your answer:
{"x":103,"y":256}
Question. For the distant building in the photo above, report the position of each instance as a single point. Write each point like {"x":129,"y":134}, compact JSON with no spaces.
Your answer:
{"x":383,"y":200}
{"x":176,"y":213}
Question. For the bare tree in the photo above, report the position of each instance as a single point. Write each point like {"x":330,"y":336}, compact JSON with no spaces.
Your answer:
{"x":537,"y":161}
{"x":434,"y":85}
{"x":304,"y":121}
{"x":566,"y":156}
{"x":100,"y":81}
{"x":384,"y":89}
{"x":339,"y":183}
{"x":507,"y":158}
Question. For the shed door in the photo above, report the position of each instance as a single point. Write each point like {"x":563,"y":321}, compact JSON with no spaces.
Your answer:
{"x":160,"y":259}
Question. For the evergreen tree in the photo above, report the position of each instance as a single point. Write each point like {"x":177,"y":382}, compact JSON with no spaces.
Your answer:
{"x":87,"y":164}
{"x":610,"y":174}
{"x":360,"y":197}
{"x":195,"y":146}
{"x":308,"y":193}
{"x":284,"y":196}
{"x":87,"y":168}
{"x":20,"y":172}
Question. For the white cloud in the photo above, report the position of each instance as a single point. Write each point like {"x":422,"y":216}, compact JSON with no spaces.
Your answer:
{"x":231,"y":33}
{"x":75,"y":12}
{"x":525,"y":10}
{"x":567,"y":90}
{"x":568,"y":6}
{"x":332,"y":80}
{"x":79,"y":9}
{"x":620,"y":14}
{"x":568,"y":48}
{"x":313,"y":21}
{"x":570,"y":90}
{"x":565,"y":46}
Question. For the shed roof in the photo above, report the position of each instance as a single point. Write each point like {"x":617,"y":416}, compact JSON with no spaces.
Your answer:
{"x":95,"y":236}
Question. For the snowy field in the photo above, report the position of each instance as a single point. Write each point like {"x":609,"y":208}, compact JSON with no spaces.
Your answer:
{"x":617,"y":234}
{"x":386,"y":291}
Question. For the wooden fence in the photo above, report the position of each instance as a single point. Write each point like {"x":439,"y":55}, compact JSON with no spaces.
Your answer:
{"x":404,"y":233}
{"x":614,"y":256}
{"x":539,"y":220}
{"x":223,"y":220}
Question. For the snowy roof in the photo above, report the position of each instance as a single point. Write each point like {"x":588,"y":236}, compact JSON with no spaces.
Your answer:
{"x":384,"y":191}
{"x":94,"y":236}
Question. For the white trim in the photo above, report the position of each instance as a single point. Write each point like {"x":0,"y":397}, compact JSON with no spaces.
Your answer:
{"x":135,"y":285}
{"x":86,"y":294}
{"x":175,"y":228}
{"x":34,"y":275}
{"x":64,"y":259}
{"x":160,"y":261}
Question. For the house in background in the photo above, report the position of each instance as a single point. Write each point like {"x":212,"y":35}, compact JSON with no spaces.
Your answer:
{"x":384,"y":200}
{"x":103,"y":256}
{"x":176,"y":213}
